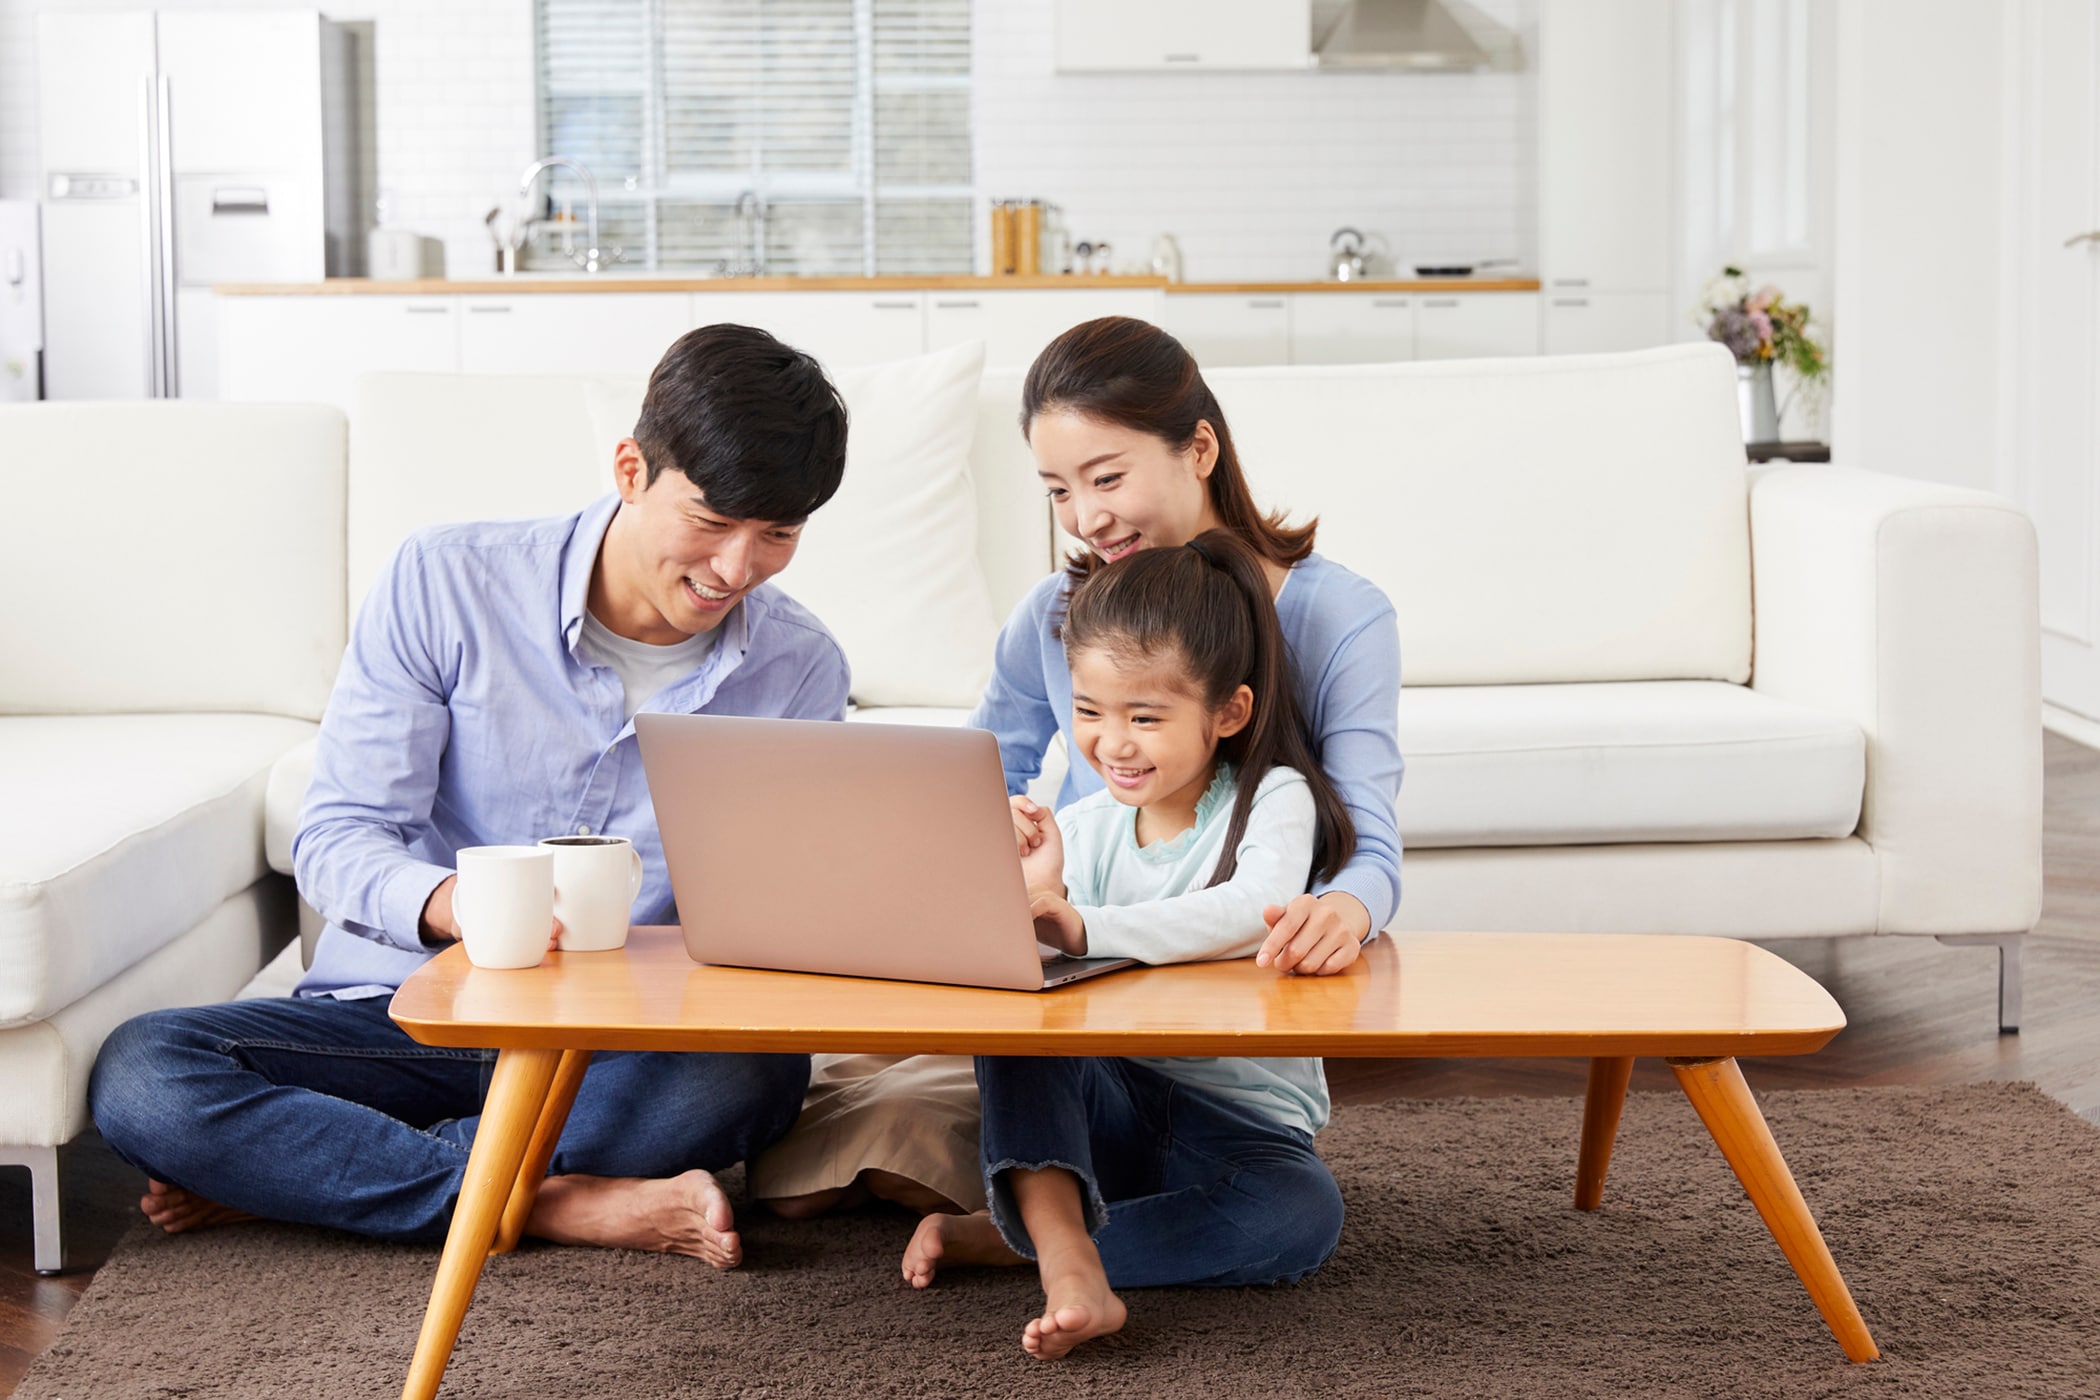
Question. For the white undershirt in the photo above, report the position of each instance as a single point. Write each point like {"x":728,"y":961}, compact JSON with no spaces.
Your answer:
{"x":643,"y":669}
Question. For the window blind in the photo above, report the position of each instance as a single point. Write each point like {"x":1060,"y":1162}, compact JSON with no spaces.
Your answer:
{"x":848,"y":119}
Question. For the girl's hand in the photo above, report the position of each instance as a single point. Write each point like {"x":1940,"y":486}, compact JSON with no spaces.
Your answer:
{"x":1057,"y":923}
{"x":1314,"y":937}
{"x":1041,"y":845}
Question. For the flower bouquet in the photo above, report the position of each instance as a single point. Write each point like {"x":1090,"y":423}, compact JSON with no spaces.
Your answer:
{"x":1762,"y":329}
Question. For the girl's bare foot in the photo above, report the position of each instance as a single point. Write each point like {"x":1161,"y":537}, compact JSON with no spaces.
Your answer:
{"x":686,"y":1214}
{"x":1077,"y":1308}
{"x":176,"y":1210}
{"x":954,"y":1240}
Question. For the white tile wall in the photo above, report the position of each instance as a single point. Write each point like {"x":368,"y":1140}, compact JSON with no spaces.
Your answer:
{"x":1251,"y":171}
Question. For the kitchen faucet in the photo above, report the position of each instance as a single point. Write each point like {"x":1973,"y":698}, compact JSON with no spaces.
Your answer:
{"x":590,"y":261}
{"x":751,"y":230}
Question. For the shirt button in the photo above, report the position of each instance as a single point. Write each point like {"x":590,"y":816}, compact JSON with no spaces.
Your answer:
{"x":584,"y":830}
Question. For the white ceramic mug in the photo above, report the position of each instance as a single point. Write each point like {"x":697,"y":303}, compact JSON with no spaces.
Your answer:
{"x":504,"y":904}
{"x":595,"y":881}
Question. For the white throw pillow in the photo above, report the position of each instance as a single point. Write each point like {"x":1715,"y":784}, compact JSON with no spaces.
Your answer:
{"x":889,"y":563}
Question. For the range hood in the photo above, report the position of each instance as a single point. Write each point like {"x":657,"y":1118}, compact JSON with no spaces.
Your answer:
{"x":1416,"y":35}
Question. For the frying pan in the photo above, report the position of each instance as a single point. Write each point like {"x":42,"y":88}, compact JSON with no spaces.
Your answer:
{"x":1460,"y":269}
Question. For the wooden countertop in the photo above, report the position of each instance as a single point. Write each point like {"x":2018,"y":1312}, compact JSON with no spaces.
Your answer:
{"x":533,"y":284}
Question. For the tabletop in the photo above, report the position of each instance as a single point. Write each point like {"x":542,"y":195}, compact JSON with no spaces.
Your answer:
{"x":1417,"y":994}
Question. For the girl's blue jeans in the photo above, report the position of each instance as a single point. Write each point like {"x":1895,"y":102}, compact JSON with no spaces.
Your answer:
{"x":1180,"y":1185}
{"x":325,"y":1112}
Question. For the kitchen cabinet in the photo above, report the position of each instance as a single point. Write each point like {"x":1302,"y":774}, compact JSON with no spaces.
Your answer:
{"x":1606,"y":114}
{"x":1474,"y":325}
{"x":844,"y":330}
{"x":1222,"y":328}
{"x":1105,"y":36}
{"x":1015,"y":326}
{"x":546,"y":333}
{"x":1598,"y":322}
{"x":309,"y":349}
{"x":1350,"y":328}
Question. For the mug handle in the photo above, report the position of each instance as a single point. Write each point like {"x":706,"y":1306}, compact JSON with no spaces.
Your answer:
{"x":459,"y":911}
{"x":634,"y":884}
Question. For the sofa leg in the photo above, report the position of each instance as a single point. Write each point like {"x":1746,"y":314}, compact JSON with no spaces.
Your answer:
{"x":43,"y":1191}
{"x":2008,"y":945}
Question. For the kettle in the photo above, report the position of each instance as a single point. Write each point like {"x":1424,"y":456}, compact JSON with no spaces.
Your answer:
{"x":1347,"y":262}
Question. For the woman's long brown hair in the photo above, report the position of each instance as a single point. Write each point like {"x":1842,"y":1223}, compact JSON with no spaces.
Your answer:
{"x":1207,"y":605}
{"x":1133,"y":374}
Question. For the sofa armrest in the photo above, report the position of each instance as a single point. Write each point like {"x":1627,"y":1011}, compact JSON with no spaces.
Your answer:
{"x":1914,"y":609}
{"x":282,"y":800}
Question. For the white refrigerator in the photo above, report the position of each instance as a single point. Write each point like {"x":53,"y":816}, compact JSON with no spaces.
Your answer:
{"x":184,"y":148}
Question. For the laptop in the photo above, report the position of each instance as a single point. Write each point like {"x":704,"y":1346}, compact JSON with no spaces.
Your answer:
{"x":864,"y":850}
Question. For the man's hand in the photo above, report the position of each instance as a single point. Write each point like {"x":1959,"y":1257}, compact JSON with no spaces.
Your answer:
{"x":1057,"y":923}
{"x":439,"y":925}
{"x":1314,"y":937}
{"x":1041,"y":845}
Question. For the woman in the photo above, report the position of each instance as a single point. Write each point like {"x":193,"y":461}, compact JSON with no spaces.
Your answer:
{"x":1134,"y":452}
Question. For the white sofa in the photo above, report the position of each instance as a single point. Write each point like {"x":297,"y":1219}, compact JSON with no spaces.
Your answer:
{"x":1648,"y":691}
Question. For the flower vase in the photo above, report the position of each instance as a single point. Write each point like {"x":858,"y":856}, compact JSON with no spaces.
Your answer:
{"x":1756,"y":402}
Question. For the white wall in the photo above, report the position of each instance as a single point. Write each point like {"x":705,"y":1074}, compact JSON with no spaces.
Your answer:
{"x":1253,"y":171}
{"x":1916,"y":284}
{"x":454,"y":105}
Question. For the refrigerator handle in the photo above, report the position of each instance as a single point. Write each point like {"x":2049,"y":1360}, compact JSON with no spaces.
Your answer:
{"x":164,"y":197}
{"x":149,"y":235}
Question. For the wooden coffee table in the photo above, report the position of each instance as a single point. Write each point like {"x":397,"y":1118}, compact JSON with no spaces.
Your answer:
{"x":1697,"y":1002}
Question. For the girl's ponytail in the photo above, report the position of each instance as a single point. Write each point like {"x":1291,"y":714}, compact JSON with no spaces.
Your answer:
{"x":1209,"y":602}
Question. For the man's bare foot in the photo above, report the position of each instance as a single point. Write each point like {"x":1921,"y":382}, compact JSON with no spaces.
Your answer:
{"x":954,"y":1240}
{"x":176,"y":1210}
{"x":685,"y":1214}
{"x":1076,"y":1308}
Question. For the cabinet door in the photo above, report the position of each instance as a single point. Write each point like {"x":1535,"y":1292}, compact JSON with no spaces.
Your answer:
{"x":1015,"y":326}
{"x":570,"y":332}
{"x":1351,"y":328}
{"x":842,"y":329}
{"x":1095,"y":36}
{"x":309,"y":349}
{"x":1606,"y":114}
{"x":1475,"y":325}
{"x":1221,"y":329}
{"x":1605,"y":321}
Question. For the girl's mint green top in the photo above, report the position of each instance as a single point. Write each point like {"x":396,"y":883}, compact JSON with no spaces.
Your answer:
{"x":1149,"y":903}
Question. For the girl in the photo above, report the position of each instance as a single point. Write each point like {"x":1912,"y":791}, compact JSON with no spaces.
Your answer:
{"x":1134,"y":452}
{"x":1115,"y":1173}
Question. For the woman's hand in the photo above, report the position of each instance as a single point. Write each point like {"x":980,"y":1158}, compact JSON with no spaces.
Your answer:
{"x":1314,"y":937}
{"x":1041,"y":845}
{"x":1057,"y":923}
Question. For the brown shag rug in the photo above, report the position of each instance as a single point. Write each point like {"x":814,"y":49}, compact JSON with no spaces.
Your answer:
{"x":1967,"y":1221}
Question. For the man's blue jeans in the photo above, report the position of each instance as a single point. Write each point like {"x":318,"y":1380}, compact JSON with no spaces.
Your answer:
{"x":1180,"y":1185}
{"x":326,"y":1113}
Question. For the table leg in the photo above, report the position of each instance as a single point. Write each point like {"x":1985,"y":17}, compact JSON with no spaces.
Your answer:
{"x":1724,"y":1104}
{"x":1600,"y":1126}
{"x":568,"y":1077}
{"x":516,"y":1092}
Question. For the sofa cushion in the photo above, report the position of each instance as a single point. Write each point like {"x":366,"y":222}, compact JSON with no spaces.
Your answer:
{"x":1555,"y":765}
{"x":170,"y":556}
{"x":119,"y":833}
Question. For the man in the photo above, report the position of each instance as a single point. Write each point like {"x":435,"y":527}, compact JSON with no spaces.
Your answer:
{"x":488,"y":697}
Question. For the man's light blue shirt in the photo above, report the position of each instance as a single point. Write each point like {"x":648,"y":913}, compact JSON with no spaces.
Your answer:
{"x":464,"y":715}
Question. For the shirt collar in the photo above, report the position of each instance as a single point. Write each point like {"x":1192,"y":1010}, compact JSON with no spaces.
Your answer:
{"x":578,"y":558}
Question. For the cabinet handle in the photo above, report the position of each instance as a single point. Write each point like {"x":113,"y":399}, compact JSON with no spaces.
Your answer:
{"x":415,"y":310}
{"x":1183,"y":57}
{"x":1393,"y":303}
{"x":1571,"y":281}
{"x":1440,"y":301}
{"x":955,"y":306}
{"x":1276,"y":305}
{"x":1571,"y":301}
{"x":896,"y":306}
{"x":490,"y":310}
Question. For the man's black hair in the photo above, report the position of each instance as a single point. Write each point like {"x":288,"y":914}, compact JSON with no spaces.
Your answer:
{"x":752,"y":422}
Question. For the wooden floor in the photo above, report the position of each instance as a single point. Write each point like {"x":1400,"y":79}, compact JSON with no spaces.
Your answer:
{"x":1920,"y":1013}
